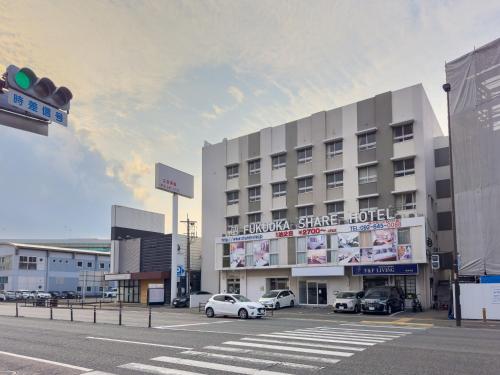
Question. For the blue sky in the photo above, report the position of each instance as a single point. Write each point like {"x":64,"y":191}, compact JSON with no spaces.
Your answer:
{"x":152,"y":80}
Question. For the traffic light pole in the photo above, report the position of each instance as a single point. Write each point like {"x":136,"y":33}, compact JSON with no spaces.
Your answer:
{"x":189,"y":223}
{"x":458,"y":307}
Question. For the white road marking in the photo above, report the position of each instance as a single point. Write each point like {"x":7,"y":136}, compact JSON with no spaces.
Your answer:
{"x":251,"y":360}
{"x":304,"y":344}
{"x":216,"y":366}
{"x":366,"y":330}
{"x":41,"y":360}
{"x":288,"y":348}
{"x":318,"y":339}
{"x":97,"y":373}
{"x":148,"y":369}
{"x":138,"y":343}
{"x":382,"y":325}
{"x":333,"y":336}
{"x":194,"y":324}
{"x":350,"y":333}
{"x":273,"y":354}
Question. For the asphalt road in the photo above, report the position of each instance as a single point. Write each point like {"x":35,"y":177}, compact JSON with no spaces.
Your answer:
{"x":183,"y":343}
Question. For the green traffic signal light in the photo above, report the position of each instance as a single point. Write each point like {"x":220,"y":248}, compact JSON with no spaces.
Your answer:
{"x":25,"y":78}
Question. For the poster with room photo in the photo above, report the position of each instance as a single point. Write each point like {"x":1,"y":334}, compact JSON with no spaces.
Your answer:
{"x":237,"y":254}
{"x":261,"y":253}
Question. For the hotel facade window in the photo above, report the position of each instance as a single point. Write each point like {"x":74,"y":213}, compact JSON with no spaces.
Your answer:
{"x":305,"y":211}
{"x":367,"y":174}
{"x":273,"y":253}
{"x":402,"y":133}
{"x":335,"y":208}
{"x":278,"y":161}
{"x":279,"y":189}
{"x":404,"y":167}
{"x":254,"y":218}
{"x":254,"y":194}
{"x":232,"y":171}
{"x":368,"y":204}
{"x":254,"y":167}
{"x":231,"y":222}
{"x":305,"y":185}
{"x":232,"y":197}
{"x":304,"y":155}
{"x":367,"y":141}
{"x":335,"y":179}
{"x":334,"y":148}
{"x":406,"y":201}
{"x":279,"y":215}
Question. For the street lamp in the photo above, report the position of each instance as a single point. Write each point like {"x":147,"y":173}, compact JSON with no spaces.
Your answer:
{"x":458,"y":308}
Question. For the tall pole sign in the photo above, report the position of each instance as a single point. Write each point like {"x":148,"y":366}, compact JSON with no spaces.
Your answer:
{"x":178,"y":183}
{"x":30,"y":103}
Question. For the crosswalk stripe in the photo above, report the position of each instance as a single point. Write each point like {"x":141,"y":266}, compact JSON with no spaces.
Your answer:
{"x":334,"y":336}
{"x":251,"y":360}
{"x":322,"y":331}
{"x":216,"y":366}
{"x":289,"y":348}
{"x":318,"y":339}
{"x":304,"y":344}
{"x":273,"y":354}
{"x":385,"y":326}
{"x":148,"y":369}
{"x":97,"y":373}
{"x":367,"y":330}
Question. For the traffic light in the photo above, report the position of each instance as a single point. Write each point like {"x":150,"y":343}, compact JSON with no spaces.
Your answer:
{"x":25,"y":81}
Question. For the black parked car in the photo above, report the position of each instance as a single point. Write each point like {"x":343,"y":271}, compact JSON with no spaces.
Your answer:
{"x":55,"y":294}
{"x":183,"y":301}
{"x":383,"y":299}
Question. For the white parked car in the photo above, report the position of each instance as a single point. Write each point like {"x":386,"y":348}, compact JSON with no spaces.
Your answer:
{"x":3,"y":297}
{"x":110,"y":293}
{"x":276,"y":299}
{"x":42,"y":295}
{"x":348,"y":301}
{"x":233,"y":305}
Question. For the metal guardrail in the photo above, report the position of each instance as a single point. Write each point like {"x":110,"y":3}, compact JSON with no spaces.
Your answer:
{"x":49,"y":303}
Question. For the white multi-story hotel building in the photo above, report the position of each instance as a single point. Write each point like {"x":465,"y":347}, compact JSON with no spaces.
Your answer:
{"x":344,"y":199}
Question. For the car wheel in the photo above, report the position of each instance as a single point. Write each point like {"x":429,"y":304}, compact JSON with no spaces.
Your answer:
{"x":389,"y":309}
{"x":277,"y":306}
{"x":243,"y":314}
{"x":292,"y":303}
{"x":210,"y":312}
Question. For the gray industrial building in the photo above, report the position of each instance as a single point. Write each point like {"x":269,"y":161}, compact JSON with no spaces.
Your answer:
{"x":32,"y":266}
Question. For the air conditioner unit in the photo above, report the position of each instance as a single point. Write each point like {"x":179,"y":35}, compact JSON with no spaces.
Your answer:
{"x":411,"y":215}
{"x":398,"y":216}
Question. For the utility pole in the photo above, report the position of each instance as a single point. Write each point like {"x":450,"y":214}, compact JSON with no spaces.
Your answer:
{"x":458,"y":307}
{"x":189,"y":226}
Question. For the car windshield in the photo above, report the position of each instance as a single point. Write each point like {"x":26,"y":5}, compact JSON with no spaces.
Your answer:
{"x":270,"y":294}
{"x":241,"y":298}
{"x":346,"y":295}
{"x":377,"y":294}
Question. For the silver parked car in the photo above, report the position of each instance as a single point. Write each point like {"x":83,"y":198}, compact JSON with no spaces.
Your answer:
{"x":348,"y":301}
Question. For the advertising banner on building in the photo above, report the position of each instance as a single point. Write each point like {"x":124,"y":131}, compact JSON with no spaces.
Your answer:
{"x":237,"y":254}
{"x":316,"y":249}
{"x":475,"y":135}
{"x":261,"y":253}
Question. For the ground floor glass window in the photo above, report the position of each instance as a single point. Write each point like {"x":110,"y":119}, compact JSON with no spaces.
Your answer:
{"x":313,"y":293}
{"x":129,"y":291}
{"x":233,"y":286}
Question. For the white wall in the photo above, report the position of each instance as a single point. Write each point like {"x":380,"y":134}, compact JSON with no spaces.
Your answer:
{"x":126,"y":217}
{"x":475,"y":297}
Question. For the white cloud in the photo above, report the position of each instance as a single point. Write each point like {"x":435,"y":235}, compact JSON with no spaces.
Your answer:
{"x":236,"y":93}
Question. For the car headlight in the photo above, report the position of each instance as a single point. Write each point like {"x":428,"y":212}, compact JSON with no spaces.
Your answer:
{"x":252,"y":307}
